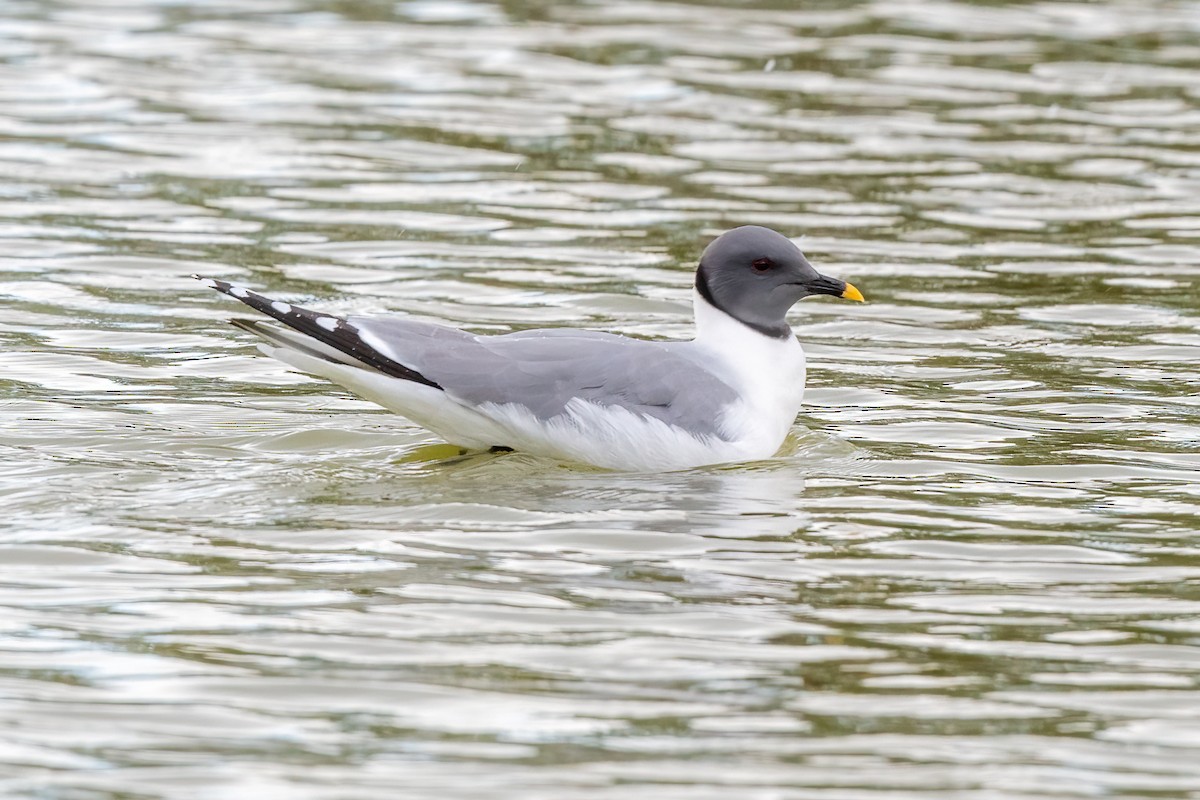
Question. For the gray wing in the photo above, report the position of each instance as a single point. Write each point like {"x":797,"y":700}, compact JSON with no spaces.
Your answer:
{"x":543,"y":370}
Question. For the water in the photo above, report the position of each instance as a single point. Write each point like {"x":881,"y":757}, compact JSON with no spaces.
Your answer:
{"x":972,"y":574}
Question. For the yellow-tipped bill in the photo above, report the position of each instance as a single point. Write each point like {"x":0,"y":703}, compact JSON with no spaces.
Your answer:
{"x":852,"y":293}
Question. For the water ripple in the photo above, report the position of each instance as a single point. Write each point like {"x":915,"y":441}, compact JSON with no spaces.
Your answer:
{"x":970,"y":572}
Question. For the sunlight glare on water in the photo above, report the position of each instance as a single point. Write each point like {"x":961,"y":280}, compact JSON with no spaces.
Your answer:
{"x":971,"y":573}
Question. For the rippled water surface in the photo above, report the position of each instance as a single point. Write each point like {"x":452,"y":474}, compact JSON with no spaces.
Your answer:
{"x":972,"y":573}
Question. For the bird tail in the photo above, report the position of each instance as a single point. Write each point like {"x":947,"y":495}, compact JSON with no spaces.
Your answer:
{"x":291,"y":340}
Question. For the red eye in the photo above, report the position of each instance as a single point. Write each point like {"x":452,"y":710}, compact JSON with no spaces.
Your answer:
{"x":761,"y":265}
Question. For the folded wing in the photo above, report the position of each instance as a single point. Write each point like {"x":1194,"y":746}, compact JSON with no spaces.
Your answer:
{"x":542,"y":371}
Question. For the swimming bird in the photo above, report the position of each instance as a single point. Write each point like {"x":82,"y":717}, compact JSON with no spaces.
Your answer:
{"x":731,"y":394}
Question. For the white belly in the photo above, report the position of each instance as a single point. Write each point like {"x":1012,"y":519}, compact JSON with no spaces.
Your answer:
{"x":614,"y":438}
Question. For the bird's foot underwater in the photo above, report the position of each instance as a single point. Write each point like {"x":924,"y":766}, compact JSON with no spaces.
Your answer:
{"x":433,"y":452}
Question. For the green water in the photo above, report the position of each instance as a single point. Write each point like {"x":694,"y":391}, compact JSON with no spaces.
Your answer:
{"x":971,"y":575}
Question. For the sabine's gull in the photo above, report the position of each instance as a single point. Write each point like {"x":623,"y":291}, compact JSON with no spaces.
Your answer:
{"x":731,"y":394}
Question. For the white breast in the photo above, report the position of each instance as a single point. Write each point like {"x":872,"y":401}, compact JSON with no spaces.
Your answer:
{"x":767,"y":373}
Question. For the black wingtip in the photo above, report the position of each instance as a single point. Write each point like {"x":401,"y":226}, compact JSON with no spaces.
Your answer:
{"x":325,"y":328}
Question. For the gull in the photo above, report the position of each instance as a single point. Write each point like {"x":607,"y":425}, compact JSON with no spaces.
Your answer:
{"x":731,"y":394}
